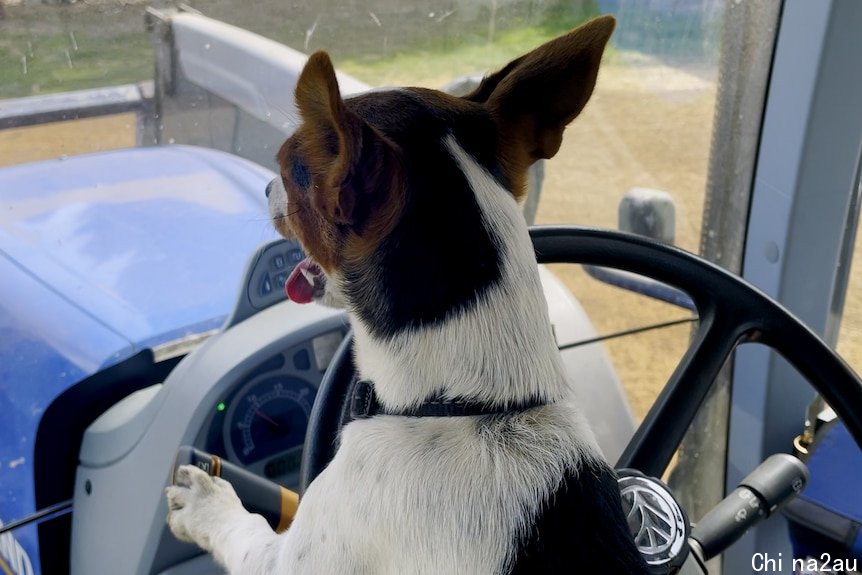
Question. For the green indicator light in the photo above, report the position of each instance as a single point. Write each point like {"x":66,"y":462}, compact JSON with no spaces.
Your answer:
{"x":220,"y":406}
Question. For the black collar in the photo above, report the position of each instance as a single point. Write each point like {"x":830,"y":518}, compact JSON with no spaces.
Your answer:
{"x":363,"y":403}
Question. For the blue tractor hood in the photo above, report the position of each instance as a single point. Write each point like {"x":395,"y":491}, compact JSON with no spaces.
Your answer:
{"x":102,"y":256}
{"x":147,"y":242}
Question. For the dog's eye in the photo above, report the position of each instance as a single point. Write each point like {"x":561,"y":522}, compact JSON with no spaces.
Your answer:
{"x":300,"y":174}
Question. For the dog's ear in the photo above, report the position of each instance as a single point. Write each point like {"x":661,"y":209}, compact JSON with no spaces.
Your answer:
{"x":346,"y":156}
{"x":533,"y":98}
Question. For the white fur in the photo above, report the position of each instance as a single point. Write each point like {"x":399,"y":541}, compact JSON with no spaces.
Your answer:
{"x":401,"y":496}
{"x":501,"y":349}
{"x":425,"y":495}
{"x":277,"y":199}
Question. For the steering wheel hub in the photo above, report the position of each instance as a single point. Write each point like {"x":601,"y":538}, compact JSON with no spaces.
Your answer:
{"x":656,"y":520}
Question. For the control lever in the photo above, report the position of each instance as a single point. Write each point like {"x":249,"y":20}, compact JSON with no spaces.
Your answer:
{"x":275,"y":503}
{"x":774,"y":482}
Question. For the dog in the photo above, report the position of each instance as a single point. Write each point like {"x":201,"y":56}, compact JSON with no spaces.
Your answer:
{"x":406,"y":201}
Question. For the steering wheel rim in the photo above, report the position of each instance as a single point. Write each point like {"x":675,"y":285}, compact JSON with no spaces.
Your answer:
{"x":328,"y":414}
{"x":731,"y":312}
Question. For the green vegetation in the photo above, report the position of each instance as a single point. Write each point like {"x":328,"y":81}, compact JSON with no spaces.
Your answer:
{"x":433,"y":68}
{"x":58,"y":48}
{"x":55,"y":48}
{"x":563,"y":15}
{"x":434,"y":63}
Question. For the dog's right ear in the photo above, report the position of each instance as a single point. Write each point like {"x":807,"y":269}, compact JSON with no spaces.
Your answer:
{"x":345,"y":156}
{"x":533,"y":98}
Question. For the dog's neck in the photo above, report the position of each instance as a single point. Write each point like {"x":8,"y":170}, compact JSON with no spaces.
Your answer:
{"x":500,"y":349}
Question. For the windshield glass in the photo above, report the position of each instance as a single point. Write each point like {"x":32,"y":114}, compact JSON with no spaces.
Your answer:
{"x":648,"y":124}
{"x":100,"y":75}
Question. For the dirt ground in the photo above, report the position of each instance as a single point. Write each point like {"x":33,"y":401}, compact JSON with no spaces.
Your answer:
{"x":18,"y":145}
{"x":647,"y":125}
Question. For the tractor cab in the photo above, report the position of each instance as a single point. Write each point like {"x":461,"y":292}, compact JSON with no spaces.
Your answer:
{"x":696,"y":236}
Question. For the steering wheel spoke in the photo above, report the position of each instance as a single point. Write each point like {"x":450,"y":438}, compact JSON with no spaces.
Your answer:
{"x":655,"y":441}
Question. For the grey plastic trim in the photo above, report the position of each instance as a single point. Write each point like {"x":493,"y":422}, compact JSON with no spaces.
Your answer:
{"x":259,"y":271}
{"x":33,"y":110}
{"x":804,"y":181}
{"x":186,"y":400}
{"x":252,"y":72}
{"x":116,"y":431}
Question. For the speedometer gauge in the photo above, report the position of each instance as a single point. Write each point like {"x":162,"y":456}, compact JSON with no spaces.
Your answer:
{"x":268,"y":416}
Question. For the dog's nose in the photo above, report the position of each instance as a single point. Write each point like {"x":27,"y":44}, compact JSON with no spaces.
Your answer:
{"x":268,"y":189}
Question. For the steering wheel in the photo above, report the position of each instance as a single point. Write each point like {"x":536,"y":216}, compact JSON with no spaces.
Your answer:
{"x":730,"y":311}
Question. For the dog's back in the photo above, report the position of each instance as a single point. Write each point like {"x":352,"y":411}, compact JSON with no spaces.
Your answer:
{"x":493,"y":495}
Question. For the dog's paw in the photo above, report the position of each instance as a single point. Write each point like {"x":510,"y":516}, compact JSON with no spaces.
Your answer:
{"x":198,"y":505}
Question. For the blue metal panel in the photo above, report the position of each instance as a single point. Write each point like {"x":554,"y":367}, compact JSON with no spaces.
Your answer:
{"x":104,"y":255}
{"x":146,"y":240}
{"x":46,"y":345}
{"x":835,"y":490}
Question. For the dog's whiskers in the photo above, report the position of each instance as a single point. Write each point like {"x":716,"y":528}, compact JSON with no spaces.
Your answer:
{"x":288,"y":214}
{"x":270,"y":218}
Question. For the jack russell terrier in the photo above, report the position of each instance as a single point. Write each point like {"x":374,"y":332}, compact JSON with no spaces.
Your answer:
{"x":406,"y":201}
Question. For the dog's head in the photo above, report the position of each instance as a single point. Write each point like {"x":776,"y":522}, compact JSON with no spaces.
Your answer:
{"x":373,"y":188}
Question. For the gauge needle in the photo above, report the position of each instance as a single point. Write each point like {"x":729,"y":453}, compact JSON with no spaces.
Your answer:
{"x":267,"y":418}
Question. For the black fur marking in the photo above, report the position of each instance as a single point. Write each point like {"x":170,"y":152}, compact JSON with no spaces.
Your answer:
{"x":440,"y":258}
{"x":299,"y":173}
{"x":581,"y":529}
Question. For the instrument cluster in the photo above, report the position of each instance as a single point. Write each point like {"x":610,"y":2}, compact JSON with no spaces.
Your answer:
{"x":260,"y":424}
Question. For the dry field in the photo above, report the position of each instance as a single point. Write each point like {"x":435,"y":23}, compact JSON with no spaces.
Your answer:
{"x":18,"y":145}
{"x":647,"y":125}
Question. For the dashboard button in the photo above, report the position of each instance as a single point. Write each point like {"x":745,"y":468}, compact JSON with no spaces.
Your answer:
{"x":265,"y":285}
{"x":296,"y":256}
{"x":301,"y":360}
{"x":278,"y":261}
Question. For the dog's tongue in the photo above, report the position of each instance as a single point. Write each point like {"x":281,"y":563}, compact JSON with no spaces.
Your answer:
{"x":300,"y":284}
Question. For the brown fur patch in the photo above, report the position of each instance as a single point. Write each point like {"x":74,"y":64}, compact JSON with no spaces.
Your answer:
{"x":355,"y":191}
{"x":536,"y":96}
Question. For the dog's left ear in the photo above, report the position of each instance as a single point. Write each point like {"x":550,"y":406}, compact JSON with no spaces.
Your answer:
{"x":534,"y":97}
{"x":346,"y":157}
